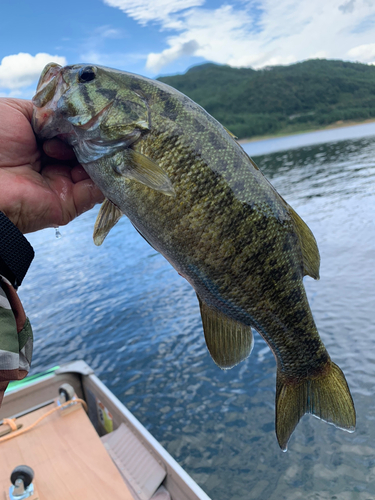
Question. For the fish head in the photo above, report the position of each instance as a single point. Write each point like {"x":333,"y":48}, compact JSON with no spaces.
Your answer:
{"x":85,"y":106}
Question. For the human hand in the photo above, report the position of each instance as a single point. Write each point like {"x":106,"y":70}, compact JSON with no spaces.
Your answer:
{"x":36,"y":191}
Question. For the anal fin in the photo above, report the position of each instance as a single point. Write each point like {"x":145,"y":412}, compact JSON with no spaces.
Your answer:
{"x":228,"y":341}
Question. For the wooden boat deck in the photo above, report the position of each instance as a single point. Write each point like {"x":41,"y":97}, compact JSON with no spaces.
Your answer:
{"x":67,"y":456}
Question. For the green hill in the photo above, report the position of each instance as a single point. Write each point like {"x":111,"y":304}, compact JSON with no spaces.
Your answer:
{"x":277,"y":99}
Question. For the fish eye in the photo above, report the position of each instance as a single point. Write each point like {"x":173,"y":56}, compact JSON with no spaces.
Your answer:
{"x":87,"y":74}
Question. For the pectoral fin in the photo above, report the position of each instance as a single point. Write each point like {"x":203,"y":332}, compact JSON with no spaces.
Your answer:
{"x":228,"y":341}
{"x":134,"y":165}
{"x":107,"y":217}
{"x":309,"y":247}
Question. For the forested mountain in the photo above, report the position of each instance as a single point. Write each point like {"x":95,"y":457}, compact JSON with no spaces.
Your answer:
{"x":305,"y":95}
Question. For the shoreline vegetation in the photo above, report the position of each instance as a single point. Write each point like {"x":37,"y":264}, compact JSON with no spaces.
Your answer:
{"x":282,"y":100}
{"x":287,"y":133}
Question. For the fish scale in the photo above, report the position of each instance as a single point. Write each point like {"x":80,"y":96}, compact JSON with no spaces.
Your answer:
{"x":195,"y":195}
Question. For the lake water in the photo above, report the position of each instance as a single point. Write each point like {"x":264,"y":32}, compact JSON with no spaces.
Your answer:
{"x":127,"y":313}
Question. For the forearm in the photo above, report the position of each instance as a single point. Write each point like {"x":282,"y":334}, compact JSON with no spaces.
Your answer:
{"x":16,"y":338}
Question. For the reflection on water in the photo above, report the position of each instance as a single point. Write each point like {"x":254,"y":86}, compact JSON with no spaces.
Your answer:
{"x":267,"y":146}
{"x":306,"y":168}
{"x":123,"y":309}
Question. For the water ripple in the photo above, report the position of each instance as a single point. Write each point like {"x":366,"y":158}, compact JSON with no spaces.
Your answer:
{"x":123,"y":309}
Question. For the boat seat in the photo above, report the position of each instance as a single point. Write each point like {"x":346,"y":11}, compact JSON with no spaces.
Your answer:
{"x":161,"y":494}
{"x":142,"y":472}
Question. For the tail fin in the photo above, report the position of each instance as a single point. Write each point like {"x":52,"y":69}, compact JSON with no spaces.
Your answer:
{"x":326,"y":396}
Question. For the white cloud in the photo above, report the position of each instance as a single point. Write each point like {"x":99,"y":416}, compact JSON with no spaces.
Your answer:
{"x":207,"y":32}
{"x":363,"y":53}
{"x":321,"y":54}
{"x":93,"y":48}
{"x":112,"y":59}
{"x":348,"y":7}
{"x":257,"y":33}
{"x":108,"y":32}
{"x":91,"y":57}
{"x":158,"y":61}
{"x":144,"y":11}
{"x":21,"y":70}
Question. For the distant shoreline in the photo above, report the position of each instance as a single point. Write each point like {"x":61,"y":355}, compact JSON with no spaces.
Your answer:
{"x":339,"y":124}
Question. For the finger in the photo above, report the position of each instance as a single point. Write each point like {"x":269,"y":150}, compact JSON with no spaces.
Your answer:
{"x":56,"y":171}
{"x":78,"y":173}
{"x":55,"y":148}
{"x":86,"y":195}
{"x":22,"y":105}
{"x":74,"y":197}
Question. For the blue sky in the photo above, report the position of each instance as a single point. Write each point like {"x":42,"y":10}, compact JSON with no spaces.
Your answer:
{"x":168,"y":36}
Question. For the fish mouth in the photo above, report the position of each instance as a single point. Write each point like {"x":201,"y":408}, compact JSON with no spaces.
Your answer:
{"x":47,"y":122}
{"x":50,"y":88}
{"x":46,"y":85}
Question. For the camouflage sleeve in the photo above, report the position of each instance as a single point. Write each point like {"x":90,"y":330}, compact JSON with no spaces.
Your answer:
{"x":16,"y":337}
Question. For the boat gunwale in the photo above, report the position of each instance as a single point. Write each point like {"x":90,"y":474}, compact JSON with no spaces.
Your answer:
{"x":44,"y":389}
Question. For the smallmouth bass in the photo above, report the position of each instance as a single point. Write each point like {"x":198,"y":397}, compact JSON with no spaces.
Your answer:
{"x":195,"y":196}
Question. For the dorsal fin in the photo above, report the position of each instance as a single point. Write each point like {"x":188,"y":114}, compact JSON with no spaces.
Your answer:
{"x":310,"y":252}
{"x":228,"y":341}
{"x":230,"y":133}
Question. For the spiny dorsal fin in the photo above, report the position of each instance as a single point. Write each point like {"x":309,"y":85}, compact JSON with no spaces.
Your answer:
{"x":107,"y":217}
{"x":228,"y":341}
{"x":230,"y":133}
{"x":134,"y":165}
{"x":327,"y":396}
{"x":310,"y":252}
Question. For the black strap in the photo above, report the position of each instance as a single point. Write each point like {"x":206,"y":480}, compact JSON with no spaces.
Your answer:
{"x":16,"y":253}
